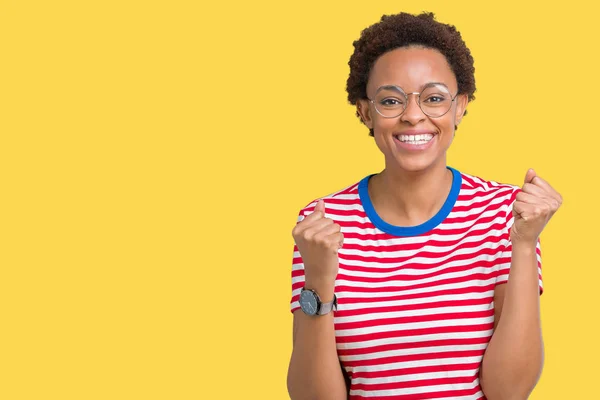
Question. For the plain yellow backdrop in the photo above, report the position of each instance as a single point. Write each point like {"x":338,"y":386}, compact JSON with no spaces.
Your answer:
{"x":154,"y":156}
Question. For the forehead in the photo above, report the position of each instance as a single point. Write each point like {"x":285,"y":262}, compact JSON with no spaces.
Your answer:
{"x":411,"y":68}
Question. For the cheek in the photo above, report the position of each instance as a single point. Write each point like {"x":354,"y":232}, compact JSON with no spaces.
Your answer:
{"x":384,"y":124}
{"x":446,"y":123}
{"x":379,"y":141}
{"x":384,"y":127}
{"x":382,"y":142}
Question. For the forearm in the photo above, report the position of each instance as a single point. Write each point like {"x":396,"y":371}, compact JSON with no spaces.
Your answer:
{"x":314,"y":371}
{"x":514,"y":357}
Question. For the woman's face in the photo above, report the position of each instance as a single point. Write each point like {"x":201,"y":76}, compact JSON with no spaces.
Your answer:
{"x":412,"y":68}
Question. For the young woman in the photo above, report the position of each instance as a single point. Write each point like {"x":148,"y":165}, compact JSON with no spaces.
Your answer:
{"x":400,"y":282}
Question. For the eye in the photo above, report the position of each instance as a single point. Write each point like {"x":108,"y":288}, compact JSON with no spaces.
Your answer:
{"x":391,"y":102}
{"x":435,"y":99}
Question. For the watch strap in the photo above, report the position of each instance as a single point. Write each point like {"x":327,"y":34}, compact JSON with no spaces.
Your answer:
{"x":327,"y":307}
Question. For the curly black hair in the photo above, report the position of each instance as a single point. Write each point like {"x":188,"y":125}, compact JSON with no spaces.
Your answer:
{"x":402,"y":30}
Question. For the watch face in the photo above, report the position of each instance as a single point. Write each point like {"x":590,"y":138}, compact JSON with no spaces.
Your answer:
{"x":308,"y":302}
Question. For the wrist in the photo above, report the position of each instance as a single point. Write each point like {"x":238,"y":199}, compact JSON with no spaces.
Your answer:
{"x":524,"y":247}
{"x":324,"y":288}
{"x":524,"y":260}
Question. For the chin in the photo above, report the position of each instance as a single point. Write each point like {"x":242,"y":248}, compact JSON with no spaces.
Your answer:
{"x":414,"y":164}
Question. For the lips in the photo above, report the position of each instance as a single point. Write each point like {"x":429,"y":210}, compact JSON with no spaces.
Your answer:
{"x":414,"y":140}
{"x":424,"y":138}
{"x":414,"y":132}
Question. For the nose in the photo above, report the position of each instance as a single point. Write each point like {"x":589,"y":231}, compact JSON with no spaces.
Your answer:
{"x":413,"y":113}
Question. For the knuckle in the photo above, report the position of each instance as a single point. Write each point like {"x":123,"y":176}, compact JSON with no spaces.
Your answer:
{"x":307,"y":235}
{"x":319,"y":239}
{"x":297,"y":235}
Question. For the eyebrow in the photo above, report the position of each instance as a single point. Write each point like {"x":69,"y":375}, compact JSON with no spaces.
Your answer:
{"x":426,"y":84}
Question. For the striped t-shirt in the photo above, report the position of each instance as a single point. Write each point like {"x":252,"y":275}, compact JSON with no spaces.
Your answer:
{"x":415,"y":304}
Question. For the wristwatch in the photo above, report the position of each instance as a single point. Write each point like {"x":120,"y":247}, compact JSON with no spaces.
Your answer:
{"x":311,"y":304}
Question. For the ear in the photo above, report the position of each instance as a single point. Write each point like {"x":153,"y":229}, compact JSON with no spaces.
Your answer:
{"x":461,"y":106}
{"x":364,"y":112}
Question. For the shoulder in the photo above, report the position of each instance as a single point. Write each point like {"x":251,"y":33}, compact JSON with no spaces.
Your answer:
{"x":477,"y":187}
{"x":335,"y":202}
{"x":487,"y":195}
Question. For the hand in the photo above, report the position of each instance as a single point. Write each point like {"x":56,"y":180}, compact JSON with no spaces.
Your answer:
{"x":534,"y":206}
{"x":318,"y":240}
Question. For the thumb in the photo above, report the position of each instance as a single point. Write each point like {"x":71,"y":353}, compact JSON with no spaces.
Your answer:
{"x":530,"y":175}
{"x":320,"y":206}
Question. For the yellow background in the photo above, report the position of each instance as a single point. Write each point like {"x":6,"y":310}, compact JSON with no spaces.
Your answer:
{"x":154,"y":156}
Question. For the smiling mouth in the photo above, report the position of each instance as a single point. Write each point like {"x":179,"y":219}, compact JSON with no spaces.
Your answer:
{"x":414,"y":139}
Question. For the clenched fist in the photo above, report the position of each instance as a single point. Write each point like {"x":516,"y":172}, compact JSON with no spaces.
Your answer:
{"x":318,"y":240}
{"x":534,"y":206}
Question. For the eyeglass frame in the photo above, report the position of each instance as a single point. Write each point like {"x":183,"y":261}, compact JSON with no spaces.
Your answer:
{"x":418,"y":99}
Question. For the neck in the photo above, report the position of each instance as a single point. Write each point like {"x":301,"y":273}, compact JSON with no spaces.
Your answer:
{"x":406,"y":198}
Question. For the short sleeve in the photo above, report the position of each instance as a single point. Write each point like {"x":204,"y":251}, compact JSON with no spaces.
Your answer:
{"x":504,"y":261}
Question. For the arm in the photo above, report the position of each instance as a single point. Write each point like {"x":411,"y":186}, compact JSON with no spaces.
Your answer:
{"x":513,"y":361}
{"x":314,"y":371}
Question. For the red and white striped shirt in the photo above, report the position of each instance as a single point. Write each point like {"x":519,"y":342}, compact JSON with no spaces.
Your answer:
{"x":415,"y":304}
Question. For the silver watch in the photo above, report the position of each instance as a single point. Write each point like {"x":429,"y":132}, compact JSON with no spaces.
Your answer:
{"x":311,"y":304}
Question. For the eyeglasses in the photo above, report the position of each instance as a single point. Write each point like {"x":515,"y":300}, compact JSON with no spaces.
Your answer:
{"x":434,"y":100}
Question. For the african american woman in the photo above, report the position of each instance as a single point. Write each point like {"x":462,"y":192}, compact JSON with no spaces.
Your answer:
{"x":420,"y":281}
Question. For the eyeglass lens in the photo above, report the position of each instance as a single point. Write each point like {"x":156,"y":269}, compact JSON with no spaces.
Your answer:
{"x":435,"y":100}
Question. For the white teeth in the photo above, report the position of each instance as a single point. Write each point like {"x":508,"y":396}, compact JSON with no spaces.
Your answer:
{"x":416,"y":139}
